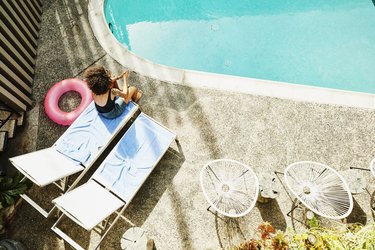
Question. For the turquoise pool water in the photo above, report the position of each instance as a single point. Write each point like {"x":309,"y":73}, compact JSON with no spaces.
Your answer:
{"x":321,"y":43}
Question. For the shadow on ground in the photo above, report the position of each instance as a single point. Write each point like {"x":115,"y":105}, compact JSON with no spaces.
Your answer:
{"x":272,"y":213}
{"x":265,"y":133}
{"x":357,"y":215}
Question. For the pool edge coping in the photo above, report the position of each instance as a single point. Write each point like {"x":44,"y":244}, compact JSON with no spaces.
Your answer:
{"x":208,"y":80}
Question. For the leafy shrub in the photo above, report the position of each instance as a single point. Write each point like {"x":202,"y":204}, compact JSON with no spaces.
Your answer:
{"x":354,"y":237}
{"x":11,"y":188}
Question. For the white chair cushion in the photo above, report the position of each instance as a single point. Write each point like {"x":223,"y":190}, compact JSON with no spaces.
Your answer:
{"x":88,"y":204}
{"x":45,"y":166}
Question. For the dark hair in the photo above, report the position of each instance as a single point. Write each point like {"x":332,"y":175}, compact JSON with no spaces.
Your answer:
{"x":98,"y":79}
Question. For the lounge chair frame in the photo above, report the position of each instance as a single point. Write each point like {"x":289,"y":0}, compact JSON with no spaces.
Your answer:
{"x":106,"y":224}
{"x":62,"y":182}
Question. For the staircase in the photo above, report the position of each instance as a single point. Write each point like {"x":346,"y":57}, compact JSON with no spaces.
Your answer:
{"x":20,"y":25}
{"x":9,"y":121}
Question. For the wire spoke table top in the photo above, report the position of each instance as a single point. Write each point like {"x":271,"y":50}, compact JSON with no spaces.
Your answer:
{"x":320,"y":188}
{"x":229,"y":186}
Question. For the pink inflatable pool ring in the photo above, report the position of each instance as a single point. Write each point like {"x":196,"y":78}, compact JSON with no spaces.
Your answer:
{"x":51,"y":103}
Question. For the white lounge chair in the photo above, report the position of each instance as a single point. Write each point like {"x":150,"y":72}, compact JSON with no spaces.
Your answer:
{"x":77,"y":150}
{"x":117,"y":180}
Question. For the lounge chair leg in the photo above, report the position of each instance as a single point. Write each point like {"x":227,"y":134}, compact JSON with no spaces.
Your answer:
{"x":111,"y":225}
{"x":179,"y":147}
{"x":65,"y":183}
{"x":59,"y":219}
{"x":128,"y":221}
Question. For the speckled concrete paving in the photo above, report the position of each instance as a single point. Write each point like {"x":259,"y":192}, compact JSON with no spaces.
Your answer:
{"x":264,"y":133}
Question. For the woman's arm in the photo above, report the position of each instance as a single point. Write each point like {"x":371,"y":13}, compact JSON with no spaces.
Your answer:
{"x":118,"y":92}
{"x":121,"y":75}
{"x":115,"y":78}
{"x":125,"y":76}
{"x":125,"y":90}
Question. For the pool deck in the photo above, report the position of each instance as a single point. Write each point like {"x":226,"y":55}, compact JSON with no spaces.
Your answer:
{"x":266,"y":133}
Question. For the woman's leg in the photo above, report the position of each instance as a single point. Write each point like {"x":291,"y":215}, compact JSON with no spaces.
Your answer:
{"x":134,"y":94}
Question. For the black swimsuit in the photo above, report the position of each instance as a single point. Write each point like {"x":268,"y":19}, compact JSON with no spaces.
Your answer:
{"x":108,"y":106}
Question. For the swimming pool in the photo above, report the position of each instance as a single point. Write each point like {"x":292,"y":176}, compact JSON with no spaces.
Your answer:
{"x":320,"y":43}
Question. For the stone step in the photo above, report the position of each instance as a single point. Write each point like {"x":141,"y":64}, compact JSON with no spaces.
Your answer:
{"x":10,"y":127}
{"x":3,"y":140}
{"x":19,"y":117}
{"x":4,"y":114}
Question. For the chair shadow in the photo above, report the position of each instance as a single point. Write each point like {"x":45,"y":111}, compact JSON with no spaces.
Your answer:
{"x":357,"y":215}
{"x":228,"y":231}
{"x":148,"y":195}
{"x":231,"y":231}
{"x":272,"y":213}
{"x":154,"y":187}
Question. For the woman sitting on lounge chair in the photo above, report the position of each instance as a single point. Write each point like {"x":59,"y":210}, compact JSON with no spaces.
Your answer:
{"x":109,"y":100}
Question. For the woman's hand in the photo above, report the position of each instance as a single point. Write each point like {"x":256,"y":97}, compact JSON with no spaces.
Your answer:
{"x":125,"y":73}
{"x":114,"y":79}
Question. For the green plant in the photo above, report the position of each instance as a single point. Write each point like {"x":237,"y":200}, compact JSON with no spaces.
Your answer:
{"x":249,"y":245}
{"x":11,"y":188}
{"x":270,"y":238}
{"x":279,"y":242}
{"x":353,"y":237}
{"x":365,"y":238}
{"x":266,"y":230}
{"x":313,"y":222}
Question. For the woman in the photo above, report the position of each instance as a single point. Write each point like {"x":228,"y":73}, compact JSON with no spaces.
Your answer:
{"x":109,"y":100}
